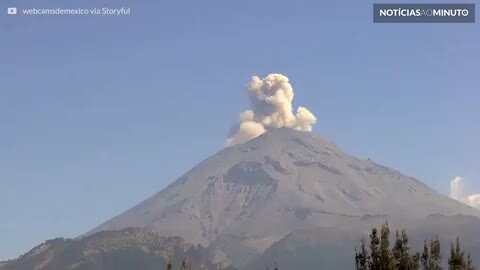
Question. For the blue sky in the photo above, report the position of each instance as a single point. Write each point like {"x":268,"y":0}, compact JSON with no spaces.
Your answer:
{"x":98,"y":113}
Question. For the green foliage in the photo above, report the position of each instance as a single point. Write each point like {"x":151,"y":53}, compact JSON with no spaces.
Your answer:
{"x":386,"y":259}
{"x":415,"y":261}
{"x":435,"y":259}
{"x":374,"y":262}
{"x":361,"y":257}
{"x":425,"y":258}
{"x":457,"y":257}
{"x":469,"y":265}
{"x":184,"y":264}
{"x":431,"y":258}
{"x":398,"y":257}
{"x":401,"y":252}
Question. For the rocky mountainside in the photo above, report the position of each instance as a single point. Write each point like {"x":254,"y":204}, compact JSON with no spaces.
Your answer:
{"x":246,"y":197}
{"x":117,"y":250}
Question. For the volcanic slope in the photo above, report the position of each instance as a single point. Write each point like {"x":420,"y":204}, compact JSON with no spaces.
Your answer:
{"x":246,"y":197}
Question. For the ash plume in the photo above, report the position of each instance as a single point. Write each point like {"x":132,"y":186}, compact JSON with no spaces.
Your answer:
{"x":456,"y":188}
{"x":271,"y":107}
{"x":457,"y":192}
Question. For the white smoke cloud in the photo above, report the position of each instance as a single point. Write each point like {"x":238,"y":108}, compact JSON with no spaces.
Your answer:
{"x":457,"y":192}
{"x":271,"y":101}
{"x":474,"y":200}
{"x":456,"y":188}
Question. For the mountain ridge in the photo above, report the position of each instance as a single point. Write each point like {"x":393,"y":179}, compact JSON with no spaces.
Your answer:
{"x":248,"y":196}
{"x":127,"y":249}
{"x":286,"y":196}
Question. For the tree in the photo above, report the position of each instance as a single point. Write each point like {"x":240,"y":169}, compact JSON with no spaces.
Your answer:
{"x":469,"y":265}
{"x":184,"y":264}
{"x":457,"y":258}
{"x":400,"y":258}
{"x":400,"y":251}
{"x":386,"y":260}
{"x":435,"y":258}
{"x":361,"y":257}
{"x":415,"y":264}
{"x":425,"y":258}
{"x":374,"y":262}
{"x":431,"y":258}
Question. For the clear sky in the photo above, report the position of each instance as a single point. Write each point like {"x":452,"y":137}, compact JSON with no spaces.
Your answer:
{"x":99,"y":113}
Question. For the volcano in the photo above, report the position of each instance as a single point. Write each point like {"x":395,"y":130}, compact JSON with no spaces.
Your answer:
{"x":249,"y":196}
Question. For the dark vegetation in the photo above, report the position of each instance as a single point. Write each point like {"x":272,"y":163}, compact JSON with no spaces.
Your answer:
{"x":380,"y":255}
{"x":128,"y":249}
{"x":186,"y":265}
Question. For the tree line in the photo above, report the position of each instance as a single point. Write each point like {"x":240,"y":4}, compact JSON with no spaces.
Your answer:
{"x":184,"y":266}
{"x":187,"y":265}
{"x":380,"y":255}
